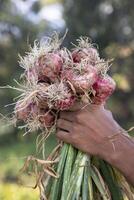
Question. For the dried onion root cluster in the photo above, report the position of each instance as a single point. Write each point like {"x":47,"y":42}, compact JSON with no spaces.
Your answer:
{"x":55,"y":78}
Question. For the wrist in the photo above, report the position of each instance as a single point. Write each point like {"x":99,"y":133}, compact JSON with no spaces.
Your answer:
{"x":122,"y":155}
{"x":110,"y":150}
{"x":117,"y":145}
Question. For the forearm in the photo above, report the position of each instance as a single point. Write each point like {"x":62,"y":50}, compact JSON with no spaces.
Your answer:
{"x":122,"y":156}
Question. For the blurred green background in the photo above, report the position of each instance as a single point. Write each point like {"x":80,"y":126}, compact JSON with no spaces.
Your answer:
{"x":108,"y":22}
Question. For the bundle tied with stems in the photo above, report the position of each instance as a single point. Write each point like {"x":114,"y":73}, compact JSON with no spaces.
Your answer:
{"x":54,"y":79}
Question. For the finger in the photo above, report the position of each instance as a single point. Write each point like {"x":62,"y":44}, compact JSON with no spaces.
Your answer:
{"x":67,"y":115}
{"x":64,"y":124}
{"x":77,"y":106}
{"x":96,"y":107}
{"x":64,"y":136}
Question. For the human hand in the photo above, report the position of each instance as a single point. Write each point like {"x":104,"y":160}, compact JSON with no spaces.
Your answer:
{"x":88,"y":128}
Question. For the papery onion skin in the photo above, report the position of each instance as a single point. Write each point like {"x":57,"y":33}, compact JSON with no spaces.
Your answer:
{"x":65,"y":104}
{"x":81,"y":81}
{"x":46,"y":118}
{"x":103,"y":88}
{"x":49,"y":66}
{"x":90,"y":54}
{"x":23,"y":112}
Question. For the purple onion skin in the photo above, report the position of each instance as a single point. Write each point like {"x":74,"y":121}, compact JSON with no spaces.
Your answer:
{"x":23,"y":113}
{"x":49,"y":66}
{"x":31,"y":111}
{"x":65,"y":104}
{"x":46,"y":119}
{"x":82,"y":81}
{"x":86,"y":53}
{"x":103,"y":88}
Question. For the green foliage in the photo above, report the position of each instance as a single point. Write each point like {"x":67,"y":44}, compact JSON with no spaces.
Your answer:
{"x":16,"y":33}
{"x":16,"y":153}
{"x":11,"y":160}
{"x":13,"y":185}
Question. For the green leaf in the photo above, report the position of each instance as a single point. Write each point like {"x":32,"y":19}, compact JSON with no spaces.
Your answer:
{"x":99,"y":184}
{"x":85,"y":189}
{"x":90,"y":184}
{"x":67,"y":171}
{"x":57,"y":182}
{"x":114,"y":188}
{"x":76,"y":176}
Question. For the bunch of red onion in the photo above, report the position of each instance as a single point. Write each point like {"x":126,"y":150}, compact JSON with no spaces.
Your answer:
{"x":54,"y":79}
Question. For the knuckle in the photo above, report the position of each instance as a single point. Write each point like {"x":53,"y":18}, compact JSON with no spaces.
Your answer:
{"x":61,"y":135}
